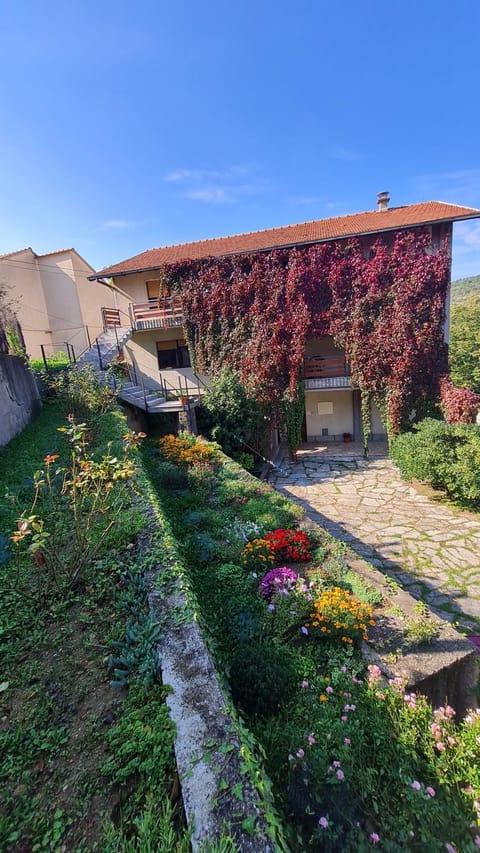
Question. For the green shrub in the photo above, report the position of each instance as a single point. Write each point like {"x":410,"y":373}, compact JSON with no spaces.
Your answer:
{"x":82,"y":393}
{"x":246,"y":460}
{"x":445,"y":455}
{"x":231,"y":416}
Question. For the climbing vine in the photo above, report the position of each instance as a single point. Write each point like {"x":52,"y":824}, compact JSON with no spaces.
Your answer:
{"x":294,"y":407}
{"x":385,"y":308}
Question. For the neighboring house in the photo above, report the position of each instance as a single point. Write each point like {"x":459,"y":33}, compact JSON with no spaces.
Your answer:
{"x":53,"y":299}
{"x":160,"y":316}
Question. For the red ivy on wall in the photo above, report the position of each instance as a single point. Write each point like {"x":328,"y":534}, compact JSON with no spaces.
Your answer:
{"x":255,"y":312}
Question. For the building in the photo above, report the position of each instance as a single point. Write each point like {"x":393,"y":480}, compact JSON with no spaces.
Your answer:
{"x":196,"y":297}
{"x":53,"y":299}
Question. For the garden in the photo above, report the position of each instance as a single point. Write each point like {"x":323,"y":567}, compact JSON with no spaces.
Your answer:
{"x":355,"y":761}
{"x":86,"y":741}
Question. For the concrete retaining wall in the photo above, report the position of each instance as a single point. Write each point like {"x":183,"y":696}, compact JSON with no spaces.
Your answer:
{"x":19,"y":397}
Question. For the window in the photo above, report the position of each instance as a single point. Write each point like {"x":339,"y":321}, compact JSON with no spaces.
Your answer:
{"x":156,"y":289}
{"x":172,"y":354}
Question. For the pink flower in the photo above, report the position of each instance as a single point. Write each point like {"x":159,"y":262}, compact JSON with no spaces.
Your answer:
{"x":344,"y":719}
{"x":290,"y":757}
{"x":347,"y":741}
{"x":336,"y":763}
{"x":304,"y":684}
{"x":343,"y":669}
{"x":300,"y":753}
{"x":452,"y":741}
{"x":374,"y":673}
{"x":374,"y":838}
{"x":477,"y":841}
{"x":450,"y":848}
{"x":440,"y":746}
{"x":340,"y":775}
{"x":311,"y":740}
{"x":329,"y":689}
{"x":430,"y":791}
{"x":416,"y":785}
{"x":323,"y":822}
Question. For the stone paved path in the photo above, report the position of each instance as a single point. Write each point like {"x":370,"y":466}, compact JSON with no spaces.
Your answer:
{"x":431,"y":549}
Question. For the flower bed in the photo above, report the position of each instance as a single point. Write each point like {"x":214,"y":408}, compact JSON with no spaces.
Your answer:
{"x":355,"y":760}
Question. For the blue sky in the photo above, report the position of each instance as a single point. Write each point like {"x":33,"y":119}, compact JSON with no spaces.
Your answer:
{"x":130,"y":125}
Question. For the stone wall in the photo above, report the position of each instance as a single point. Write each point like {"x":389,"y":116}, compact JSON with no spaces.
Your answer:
{"x":19,"y":397}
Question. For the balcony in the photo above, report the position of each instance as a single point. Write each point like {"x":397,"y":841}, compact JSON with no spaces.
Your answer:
{"x":325,"y":371}
{"x":156,"y":314}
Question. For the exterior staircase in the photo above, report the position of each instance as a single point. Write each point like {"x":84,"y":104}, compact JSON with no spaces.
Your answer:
{"x":105,"y":348}
{"x":181,"y":392}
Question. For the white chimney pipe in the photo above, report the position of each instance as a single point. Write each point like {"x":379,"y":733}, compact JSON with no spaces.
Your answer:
{"x":382,"y":200}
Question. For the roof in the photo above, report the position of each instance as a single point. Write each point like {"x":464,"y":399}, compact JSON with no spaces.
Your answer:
{"x":317,"y":231}
{"x":18,"y":252}
{"x":46,"y":254}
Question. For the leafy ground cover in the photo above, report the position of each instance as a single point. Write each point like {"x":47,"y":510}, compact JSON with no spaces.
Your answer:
{"x":356,"y":763}
{"x":86,"y":743}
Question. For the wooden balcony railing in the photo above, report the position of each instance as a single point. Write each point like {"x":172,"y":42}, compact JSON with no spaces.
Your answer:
{"x":156,"y":314}
{"x":321,"y":367}
{"x":110,"y":318}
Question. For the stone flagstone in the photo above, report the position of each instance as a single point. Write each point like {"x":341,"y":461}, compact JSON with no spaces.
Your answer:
{"x":435,"y":549}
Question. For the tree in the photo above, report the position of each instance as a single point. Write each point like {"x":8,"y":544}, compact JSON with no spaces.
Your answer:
{"x":464,"y":350}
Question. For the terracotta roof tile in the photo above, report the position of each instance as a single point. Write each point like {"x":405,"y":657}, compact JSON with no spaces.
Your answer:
{"x":319,"y":230}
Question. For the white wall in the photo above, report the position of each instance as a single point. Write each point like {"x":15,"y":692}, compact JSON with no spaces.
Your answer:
{"x":22,"y":277}
{"x":141,"y":351}
{"x":338,"y":422}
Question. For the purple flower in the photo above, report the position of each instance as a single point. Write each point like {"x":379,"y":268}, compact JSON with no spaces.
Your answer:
{"x":304,"y":630}
{"x":300,"y":753}
{"x":311,"y":740}
{"x":277,"y":580}
{"x":347,"y":741}
{"x":271,"y":607}
{"x":430,"y":791}
{"x":329,"y":689}
{"x":323,"y":822}
{"x":343,"y":669}
{"x":416,"y":785}
{"x":304,"y":684}
{"x":374,"y":838}
{"x":340,"y":775}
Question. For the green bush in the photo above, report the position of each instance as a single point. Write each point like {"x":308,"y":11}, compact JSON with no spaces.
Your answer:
{"x":445,"y":455}
{"x":231,"y":416}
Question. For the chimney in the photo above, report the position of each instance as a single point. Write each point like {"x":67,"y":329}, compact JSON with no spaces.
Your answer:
{"x":382,"y":200}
